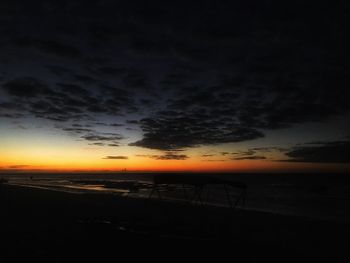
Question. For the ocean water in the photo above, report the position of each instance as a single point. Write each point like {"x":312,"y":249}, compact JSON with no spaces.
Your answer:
{"x":322,"y":196}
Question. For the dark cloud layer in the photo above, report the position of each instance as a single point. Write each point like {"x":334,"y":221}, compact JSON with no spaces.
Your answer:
{"x":321,"y":152}
{"x":25,"y":87}
{"x":66,"y":101}
{"x":181,"y":132}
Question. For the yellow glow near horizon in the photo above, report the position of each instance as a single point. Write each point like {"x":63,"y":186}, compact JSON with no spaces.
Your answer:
{"x":87,"y":160}
{"x":63,"y":154}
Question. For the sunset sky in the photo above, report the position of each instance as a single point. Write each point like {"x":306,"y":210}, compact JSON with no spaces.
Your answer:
{"x":174,"y":86}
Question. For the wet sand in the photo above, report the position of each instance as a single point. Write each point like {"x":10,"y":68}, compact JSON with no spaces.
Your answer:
{"x":56,"y":226}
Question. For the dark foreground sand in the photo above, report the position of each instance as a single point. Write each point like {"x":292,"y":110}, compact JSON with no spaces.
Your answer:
{"x":59,"y":227}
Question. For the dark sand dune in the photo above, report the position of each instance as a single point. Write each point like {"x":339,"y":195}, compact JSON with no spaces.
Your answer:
{"x":57,"y":227}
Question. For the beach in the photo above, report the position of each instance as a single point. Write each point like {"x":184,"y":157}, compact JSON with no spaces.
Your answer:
{"x":52,"y":225}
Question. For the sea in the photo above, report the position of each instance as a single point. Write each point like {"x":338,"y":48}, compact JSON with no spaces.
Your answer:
{"x":320,"y":196}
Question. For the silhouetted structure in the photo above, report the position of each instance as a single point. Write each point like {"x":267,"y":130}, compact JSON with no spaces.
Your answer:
{"x":186,"y":182}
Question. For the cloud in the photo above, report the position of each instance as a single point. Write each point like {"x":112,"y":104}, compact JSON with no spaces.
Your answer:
{"x":18,"y":166}
{"x":214,"y":160}
{"x":114,"y":145}
{"x":166,"y":156}
{"x":77,"y":130}
{"x":64,"y":102}
{"x":174,"y":133}
{"x":250,"y":154}
{"x":132,"y":121}
{"x":98,"y":137}
{"x":249,"y":158}
{"x":31,"y":96}
{"x":119,"y":157}
{"x":98,"y":144}
{"x":10,"y":115}
{"x":137,"y":80}
{"x":320,"y":152}
{"x":101,"y":138}
{"x":25,"y":87}
{"x":116,"y":125}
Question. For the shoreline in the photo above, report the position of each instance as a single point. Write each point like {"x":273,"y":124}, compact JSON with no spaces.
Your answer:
{"x":78,"y":190}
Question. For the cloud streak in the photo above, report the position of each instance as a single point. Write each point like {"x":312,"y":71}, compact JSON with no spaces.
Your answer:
{"x":118,"y":157}
{"x":166,"y":156}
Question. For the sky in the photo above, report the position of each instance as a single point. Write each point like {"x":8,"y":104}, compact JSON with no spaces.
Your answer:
{"x":210,"y":86}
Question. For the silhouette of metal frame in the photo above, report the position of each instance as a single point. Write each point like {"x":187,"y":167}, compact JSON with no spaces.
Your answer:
{"x":197,"y":184}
